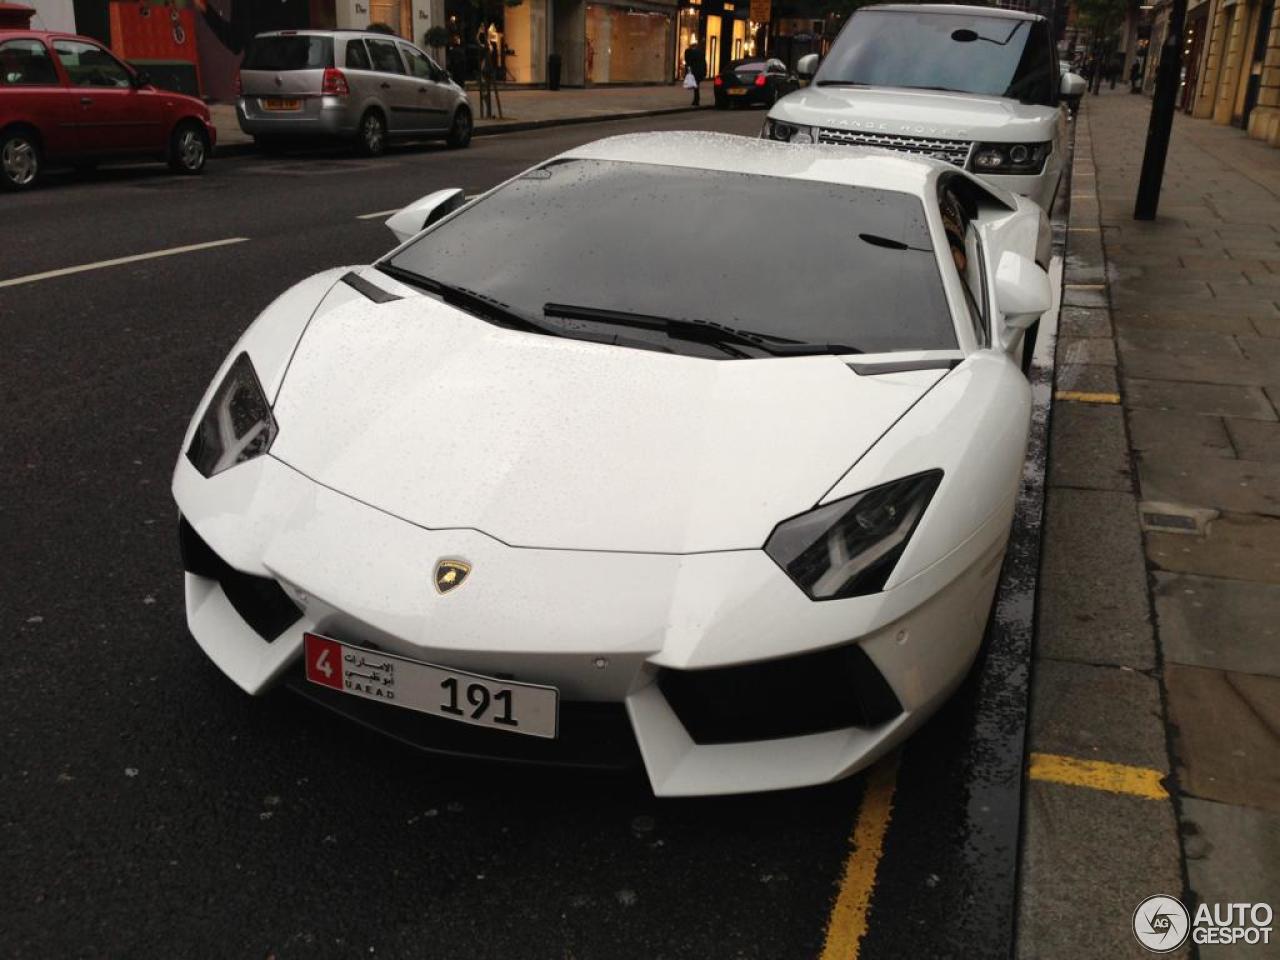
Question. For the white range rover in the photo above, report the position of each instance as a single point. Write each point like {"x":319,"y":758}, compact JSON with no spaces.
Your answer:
{"x":976,"y":86}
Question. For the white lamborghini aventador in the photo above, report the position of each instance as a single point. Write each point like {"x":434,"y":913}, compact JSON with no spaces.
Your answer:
{"x":684,"y":449}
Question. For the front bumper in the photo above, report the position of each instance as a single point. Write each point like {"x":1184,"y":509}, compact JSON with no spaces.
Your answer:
{"x":604,"y":628}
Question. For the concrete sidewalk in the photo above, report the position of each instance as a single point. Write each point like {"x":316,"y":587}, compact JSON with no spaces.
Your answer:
{"x":525,"y":109}
{"x":1158,"y":649}
{"x":1195,"y":298}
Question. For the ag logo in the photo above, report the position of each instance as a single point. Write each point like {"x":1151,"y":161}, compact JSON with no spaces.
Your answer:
{"x":450,"y":574}
{"x":1161,"y":923}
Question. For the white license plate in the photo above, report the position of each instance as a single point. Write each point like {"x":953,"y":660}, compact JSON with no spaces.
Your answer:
{"x":278,"y":103}
{"x":465,"y":697}
{"x":737,"y":91}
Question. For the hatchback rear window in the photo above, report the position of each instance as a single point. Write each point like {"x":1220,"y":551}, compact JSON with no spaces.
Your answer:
{"x":298,"y":52}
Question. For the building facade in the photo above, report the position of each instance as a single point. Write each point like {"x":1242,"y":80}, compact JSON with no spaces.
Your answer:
{"x":196,"y":45}
{"x":1230,"y":63}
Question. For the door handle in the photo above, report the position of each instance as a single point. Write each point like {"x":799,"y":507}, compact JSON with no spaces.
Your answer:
{"x":86,"y":100}
{"x":385,"y":86}
{"x":422,"y":89}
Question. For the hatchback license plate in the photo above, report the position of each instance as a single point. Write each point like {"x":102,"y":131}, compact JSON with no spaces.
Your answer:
{"x":737,"y":91}
{"x":452,"y":694}
{"x":277,"y":103}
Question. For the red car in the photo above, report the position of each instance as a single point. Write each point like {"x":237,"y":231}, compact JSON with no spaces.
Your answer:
{"x":65,"y":98}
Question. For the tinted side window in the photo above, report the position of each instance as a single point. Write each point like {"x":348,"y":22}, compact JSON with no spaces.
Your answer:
{"x":357,"y":55}
{"x":419,"y":65}
{"x":90,"y":66}
{"x":1036,"y":78}
{"x":385,"y":58}
{"x":26,"y":63}
{"x":966,"y":254}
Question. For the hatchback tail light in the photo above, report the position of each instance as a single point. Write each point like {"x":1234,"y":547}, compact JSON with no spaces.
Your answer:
{"x":760,"y":80}
{"x":719,"y":81}
{"x":334,"y":83}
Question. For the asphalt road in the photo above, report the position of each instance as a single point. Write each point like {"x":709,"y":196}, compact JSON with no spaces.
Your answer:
{"x":149,"y":809}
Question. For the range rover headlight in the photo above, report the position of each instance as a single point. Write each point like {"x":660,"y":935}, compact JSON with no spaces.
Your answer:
{"x":848,"y":548}
{"x":237,"y":425}
{"x":1009,"y":157}
{"x":787,"y":132}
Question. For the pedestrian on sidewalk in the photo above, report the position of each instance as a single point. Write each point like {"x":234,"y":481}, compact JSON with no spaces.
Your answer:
{"x":487,"y":79}
{"x":695,"y":65}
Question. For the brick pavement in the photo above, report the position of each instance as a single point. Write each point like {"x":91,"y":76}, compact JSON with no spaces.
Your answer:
{"x":1160,"y":618}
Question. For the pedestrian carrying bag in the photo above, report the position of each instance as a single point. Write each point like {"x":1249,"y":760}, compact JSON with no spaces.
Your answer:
{"x":689,"y":81}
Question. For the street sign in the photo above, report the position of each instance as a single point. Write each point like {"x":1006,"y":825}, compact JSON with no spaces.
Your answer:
{"x":761,"y":10}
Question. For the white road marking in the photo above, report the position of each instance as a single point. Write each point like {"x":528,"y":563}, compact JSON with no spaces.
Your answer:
{"x":65,"y":271}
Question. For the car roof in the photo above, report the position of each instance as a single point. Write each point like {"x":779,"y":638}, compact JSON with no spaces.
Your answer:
{"x":331,"y":32}
{"x":954,"y":9}
{"x":14,"y":34}
{"x":726,"y":153}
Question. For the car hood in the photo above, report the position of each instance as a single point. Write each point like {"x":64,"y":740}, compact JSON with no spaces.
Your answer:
{"x":920,"y":113}
{"x":448,"y":421}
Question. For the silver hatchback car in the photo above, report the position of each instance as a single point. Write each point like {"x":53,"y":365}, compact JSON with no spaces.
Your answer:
{"x":351,"y":84}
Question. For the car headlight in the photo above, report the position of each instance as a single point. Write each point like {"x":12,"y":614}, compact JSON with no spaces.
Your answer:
{"x":237,"y":425}
{"x":1010,"y":157}
{"x":787,"y":132}
{"x":848,"y":548}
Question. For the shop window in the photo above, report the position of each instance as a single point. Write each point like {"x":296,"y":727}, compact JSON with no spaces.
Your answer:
{"x":626,"y":46}
{"x":525,"y":41}
{"x":397,"y":14}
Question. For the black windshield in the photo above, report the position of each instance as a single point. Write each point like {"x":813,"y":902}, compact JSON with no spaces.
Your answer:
{"x":994,"y":56}
{"x":688,"y":244}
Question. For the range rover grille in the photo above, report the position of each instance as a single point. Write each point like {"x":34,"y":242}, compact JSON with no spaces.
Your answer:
{"x":953,"y":151}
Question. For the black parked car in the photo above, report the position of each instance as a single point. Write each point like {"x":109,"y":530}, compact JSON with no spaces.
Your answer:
{"x":755,"y":80}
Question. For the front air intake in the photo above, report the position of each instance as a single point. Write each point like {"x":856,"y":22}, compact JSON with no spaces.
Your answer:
{"x":260,"y":601}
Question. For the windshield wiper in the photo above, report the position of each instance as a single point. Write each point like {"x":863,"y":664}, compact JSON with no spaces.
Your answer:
{"x":482,"y":306}
{"x":697,"y":331}
{"x":840,"y":83}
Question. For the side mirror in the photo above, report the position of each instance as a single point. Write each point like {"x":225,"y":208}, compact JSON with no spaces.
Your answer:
{"x":142,"y":79}
{"x":807,"y":66}
{"x":1022,"y":293}
{"x":425,"y":211}
{"x":1073,"y":85}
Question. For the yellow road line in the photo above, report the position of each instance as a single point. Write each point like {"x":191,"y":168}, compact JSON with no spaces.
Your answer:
{"x":847,"y":924}
{"x":117,"y":261}
{"x":1098,"y":775}
{"x":1079,"y":396}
